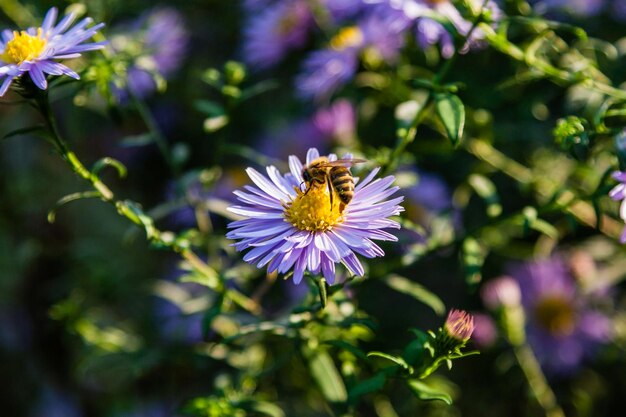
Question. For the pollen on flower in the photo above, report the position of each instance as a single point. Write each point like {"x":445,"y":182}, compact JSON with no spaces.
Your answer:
{"x":556,"y":315}
{"x":312,"y":211}
{"x":24,"y":47}
{"x":346,"y":38}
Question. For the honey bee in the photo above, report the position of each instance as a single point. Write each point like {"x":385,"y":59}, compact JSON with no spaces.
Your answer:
{"x":335,"y":174}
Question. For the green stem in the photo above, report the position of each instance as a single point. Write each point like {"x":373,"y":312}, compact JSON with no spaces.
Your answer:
{"x":128,"y":210}
{"x":155,"y":132}
{"x":411,"y":132}
{"x":537,"y":382}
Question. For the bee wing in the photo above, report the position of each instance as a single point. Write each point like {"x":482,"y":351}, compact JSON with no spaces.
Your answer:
{"x":341,"y":163}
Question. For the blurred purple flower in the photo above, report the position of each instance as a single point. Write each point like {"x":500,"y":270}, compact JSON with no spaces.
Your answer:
{"x":416,"y":15}
{"x":485,"y":331}
{"x":156,"y":44}
{"x":582,"y":8}
{"x":431,"y":192}
{"x":501,"y":292}
{"x":618,"y":193}
{"x":286,"y":228}
{"x":295,"y":138}
{"x":343,"y":9}
{"x":35,"y":50}
{"x":276,"y":30}
{"x":562,"y":327}
{"x":335,"y":123}
{"x":326,"y":70}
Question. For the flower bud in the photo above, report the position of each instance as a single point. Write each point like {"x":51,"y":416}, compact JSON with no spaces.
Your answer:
{"x":501,"y":292}
{"x":459,"y":325}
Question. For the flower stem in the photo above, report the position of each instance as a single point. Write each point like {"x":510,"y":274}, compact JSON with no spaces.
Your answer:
{"x":129,"y":210}
{"x":43,"y":104}
{"x":537,"y":382}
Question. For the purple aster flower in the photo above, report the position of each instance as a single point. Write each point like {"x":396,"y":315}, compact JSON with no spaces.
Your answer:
{"x":276,"y":30}
{"x":291,"y":224}
{"x":562,"y":327}
{"x":156,"y":44}
{"x":343,"y":9}
{"x":618,"y":193}
{"x":35,"y":50}
{"x":337,"y":121}
{"x":428,"y":31}
{"x":324,"y":71}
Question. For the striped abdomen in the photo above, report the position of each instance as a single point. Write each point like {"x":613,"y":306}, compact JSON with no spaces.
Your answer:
{"x":343,"y":183}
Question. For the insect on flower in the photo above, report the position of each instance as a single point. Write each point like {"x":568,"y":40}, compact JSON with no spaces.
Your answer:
{"x":288,"y":227}
{"x":335,"y":174}
{"x":35,"y":50}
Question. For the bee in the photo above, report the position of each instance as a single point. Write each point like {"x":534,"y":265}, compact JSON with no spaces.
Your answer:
{"x":335,"y":174}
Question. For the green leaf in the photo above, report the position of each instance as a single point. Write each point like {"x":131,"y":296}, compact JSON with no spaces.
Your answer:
{"x":267,"y":408}
{"x":373,"y":384}
{"x":25,"y":131}
{"x":395,"y":359}
{"x":413,"y":353}
{"x":417,"y":291}
{"x":451,"y":112}
{"x":426,"y":392}
{"x":259,"y":88}
{"x":143,"y":139}
{"x":326,"y":375}
{"x":208,"y":107}
{"x":342,"y":344}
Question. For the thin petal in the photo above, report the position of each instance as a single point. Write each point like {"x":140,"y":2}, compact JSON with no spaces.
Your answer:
{"x":312,"y":155}
{"x":38,"y":77}
{"x":5,"y":85}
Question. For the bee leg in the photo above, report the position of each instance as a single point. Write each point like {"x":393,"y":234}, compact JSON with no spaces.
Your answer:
{"x":342,"y":206}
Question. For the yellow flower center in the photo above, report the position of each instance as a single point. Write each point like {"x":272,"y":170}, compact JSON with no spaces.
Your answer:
{"x":312,"y":211}
{"x":346,"y":38}
{"x":24,"y":47}
{"x":556,"y":315}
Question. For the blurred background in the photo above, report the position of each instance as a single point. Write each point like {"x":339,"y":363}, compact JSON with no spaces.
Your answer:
{"x":96,"y":321}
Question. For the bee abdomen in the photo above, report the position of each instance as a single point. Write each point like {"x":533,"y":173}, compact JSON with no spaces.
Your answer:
{"x":343,"y":183}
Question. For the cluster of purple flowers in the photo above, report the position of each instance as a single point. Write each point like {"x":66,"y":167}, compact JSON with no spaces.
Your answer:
{"x":374,"y":29}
